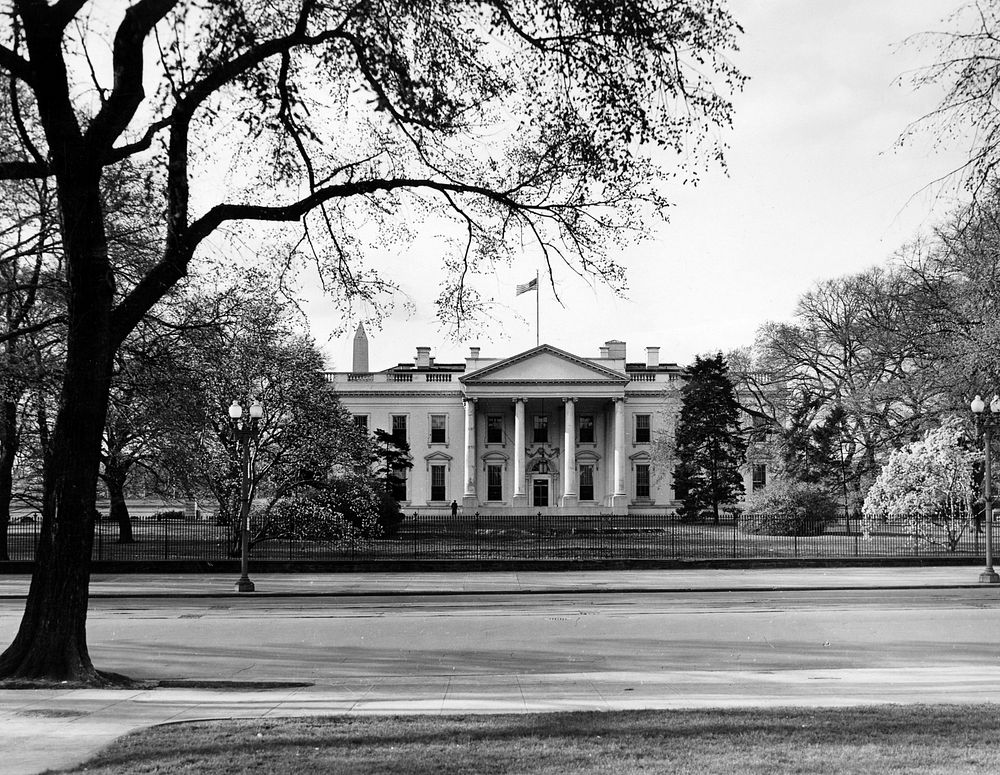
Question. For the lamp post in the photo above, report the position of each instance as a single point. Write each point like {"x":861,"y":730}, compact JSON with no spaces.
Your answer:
{"x":245,"y":432}
{"x":986,"y":420}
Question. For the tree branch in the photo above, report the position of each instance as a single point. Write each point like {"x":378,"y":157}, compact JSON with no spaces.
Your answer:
{"x":212,"y":219}
{"x":173,"y":265}
{"x":127,"y":93}
{"x":15,"y":64}
{"x":23,"y":170}
{"x":64,"y":11}
{"x":121,"y":152}
{"x":43,"y":324}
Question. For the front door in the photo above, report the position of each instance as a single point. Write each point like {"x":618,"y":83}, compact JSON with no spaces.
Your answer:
{"x":540,"y":492}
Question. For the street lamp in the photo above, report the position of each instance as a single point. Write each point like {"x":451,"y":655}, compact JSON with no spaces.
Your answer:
{"x":986,"y":421}
{"x":245,"y":432}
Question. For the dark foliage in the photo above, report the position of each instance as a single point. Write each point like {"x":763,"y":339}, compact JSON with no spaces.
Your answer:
{"x":710,"y":445}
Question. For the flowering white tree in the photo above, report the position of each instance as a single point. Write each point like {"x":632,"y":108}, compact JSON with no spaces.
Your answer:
{"x":926,"y":487}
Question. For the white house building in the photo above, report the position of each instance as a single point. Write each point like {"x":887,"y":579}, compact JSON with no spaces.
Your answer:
{"x":540,"y":430}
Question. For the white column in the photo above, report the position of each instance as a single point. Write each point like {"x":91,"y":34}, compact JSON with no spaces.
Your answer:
{"x":469,"y":496}
{"x":619,"y":448}
{"x":569,"y":453}
{"x":609,"y":453}
{"x":519,"y":472}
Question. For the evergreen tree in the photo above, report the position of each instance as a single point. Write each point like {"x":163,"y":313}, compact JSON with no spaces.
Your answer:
{"x":810,"y":449}
{"x":710,"y":445}
{"x":391,"y":460}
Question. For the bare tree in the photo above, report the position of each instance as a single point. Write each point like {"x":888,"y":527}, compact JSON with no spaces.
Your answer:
{"x":32,"y":316}
{"x":305,"y":434}
{"x":856,"y":359}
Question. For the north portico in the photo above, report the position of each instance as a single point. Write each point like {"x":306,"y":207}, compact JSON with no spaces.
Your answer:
{"x":542,"y":430}
{"x":530,"y":404}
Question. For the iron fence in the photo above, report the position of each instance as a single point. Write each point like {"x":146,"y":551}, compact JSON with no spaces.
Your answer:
{"x":530,"y":537}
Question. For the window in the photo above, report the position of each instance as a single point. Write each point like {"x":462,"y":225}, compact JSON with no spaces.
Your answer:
{"x":399,"y":484}
{"x":438,"y":489}
{"x":586,"y":422}
{"x":399,"y":428}
{"x":439,"y":429}
{"x":494,"y":429}
{"x":759,"y":476}
{"x":541,"y":429}
{"x":494,"y":483}
{"x":586,"y":483}
{"x":361,"y":421}
{"x":642,"y":480}
{"x":641,"y":429}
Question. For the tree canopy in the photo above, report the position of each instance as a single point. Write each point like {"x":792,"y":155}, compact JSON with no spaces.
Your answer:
{"x":517,"y":122}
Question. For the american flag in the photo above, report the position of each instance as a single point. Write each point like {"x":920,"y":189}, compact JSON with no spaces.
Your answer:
{"x":531,"y":285}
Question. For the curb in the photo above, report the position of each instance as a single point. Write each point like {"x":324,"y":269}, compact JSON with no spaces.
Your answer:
{"x":509,"y":592}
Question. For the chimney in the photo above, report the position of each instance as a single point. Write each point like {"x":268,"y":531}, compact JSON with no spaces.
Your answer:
{"x":360,"y":365}
{"x":616,"y":349}
{"x":604,"y":351}
{"x":474,"y":353}
{"x":652,"y":357}
{"x":423,"y":357}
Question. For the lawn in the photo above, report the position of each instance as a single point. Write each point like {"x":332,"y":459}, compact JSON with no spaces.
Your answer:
{"x":880,"y":739}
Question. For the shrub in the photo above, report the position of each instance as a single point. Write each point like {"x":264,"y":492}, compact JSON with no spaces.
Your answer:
{"x":307,"y":516}
{"x":364,"y":504}
{"x":781,"y":524}
{"x":788,"y":507}
{"x":160,"y":516}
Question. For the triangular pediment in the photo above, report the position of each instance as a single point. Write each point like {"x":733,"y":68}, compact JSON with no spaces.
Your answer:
{"x":544,"y":363}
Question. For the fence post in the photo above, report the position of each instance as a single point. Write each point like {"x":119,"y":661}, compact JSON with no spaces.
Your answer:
{"x":735,"y":555}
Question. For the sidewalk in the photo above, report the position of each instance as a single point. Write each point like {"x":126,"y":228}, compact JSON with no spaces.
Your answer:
{"x":520,"y":582}
{"x":55,"y":728}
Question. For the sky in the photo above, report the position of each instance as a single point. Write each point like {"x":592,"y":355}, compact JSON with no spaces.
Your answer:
{"x":815,"y":188}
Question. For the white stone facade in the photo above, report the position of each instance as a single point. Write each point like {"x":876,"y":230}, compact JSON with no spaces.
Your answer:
{"x":541,"y":430}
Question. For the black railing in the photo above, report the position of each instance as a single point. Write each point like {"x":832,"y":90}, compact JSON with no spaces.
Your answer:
{"x":531,"y":536}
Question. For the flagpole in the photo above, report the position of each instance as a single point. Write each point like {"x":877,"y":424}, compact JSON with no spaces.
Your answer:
{"x":538,"y":293}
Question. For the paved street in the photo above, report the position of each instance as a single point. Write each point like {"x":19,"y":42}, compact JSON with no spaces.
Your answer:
{"x":402,"y":645}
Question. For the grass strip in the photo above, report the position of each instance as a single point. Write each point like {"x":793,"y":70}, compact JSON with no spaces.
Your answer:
{"x":877,"y":739}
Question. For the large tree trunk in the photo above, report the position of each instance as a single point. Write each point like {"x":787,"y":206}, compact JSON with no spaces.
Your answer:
{"x":51,"y":643}
{"x":114,"y":478}
{"x":8,"y":451}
